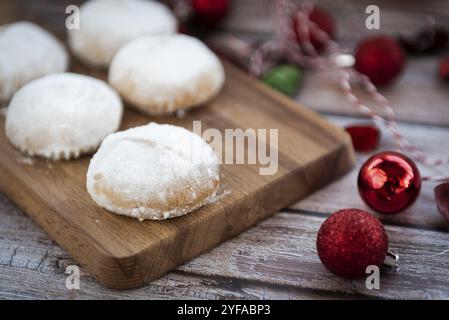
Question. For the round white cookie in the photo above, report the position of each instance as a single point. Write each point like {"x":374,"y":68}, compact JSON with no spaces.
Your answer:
{"x":162,"y":74}
{"x":153,"y":172}
{"x":27,"y":52}
{"x":62,"y":115}
{"x":106,"y":25}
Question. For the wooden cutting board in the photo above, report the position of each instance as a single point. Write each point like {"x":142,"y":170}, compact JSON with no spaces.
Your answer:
{"x":125,"y":253}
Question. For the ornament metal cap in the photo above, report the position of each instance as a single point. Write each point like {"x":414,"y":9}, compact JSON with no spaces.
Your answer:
{"x":391,"y":261}
{"x":344,"y":60}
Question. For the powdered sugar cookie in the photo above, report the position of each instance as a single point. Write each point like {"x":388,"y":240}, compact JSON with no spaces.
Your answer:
{"x":153,"y":172}
{"x":106,"y":25}
{"x":163,"y":74}
{"x":62,"y":115}
{"x":27,"y":52}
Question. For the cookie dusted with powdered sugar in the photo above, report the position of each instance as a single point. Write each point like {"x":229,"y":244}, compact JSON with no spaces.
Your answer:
{"x":27,"y":52}
{"x":62,"y":116}
{"x":153,"y":172}
{"x":162,"y":74}
{"x":106,"y":25}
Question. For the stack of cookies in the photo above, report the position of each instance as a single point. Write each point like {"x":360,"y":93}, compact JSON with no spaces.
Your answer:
{"x":156,"y":171}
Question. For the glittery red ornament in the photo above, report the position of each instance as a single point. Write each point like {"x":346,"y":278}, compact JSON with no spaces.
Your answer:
{"x":389,"y":182}
{"x":351,"y":240}
{"x":442,"y":199}
{"x":380,"y":58}
{"x":443,"y":69}
{"x":364,"y":138}
{"x":210,"y":12}
{"x":323,"y":21}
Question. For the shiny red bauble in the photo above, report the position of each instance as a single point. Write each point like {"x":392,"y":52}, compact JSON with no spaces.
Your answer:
{"x":349,"y":241}
{"x":389,"y":182}
{"x":364,"y":137}
{"x":324,"y":22}
{"x":210,"y":12}
{"x":380,"y":58}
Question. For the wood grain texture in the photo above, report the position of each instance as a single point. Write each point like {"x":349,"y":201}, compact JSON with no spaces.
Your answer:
{"x":124,"y":253}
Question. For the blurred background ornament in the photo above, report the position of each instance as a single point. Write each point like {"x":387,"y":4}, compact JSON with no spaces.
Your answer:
{"x":209,"y":12}
{"x":284,"y":78}
{"x":389,"y":182}
{"x":199,"y":16}
{"x":380,"y":58}
{"x":323,"y":21}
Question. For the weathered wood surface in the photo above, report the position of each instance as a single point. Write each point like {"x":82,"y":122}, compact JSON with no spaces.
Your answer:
{"x":32,"y":267}
{"x":277,"y":258}
{"x":282,"y":250}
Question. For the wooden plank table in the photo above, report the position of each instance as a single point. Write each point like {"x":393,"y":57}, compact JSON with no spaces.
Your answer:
{"x":277,"y":259}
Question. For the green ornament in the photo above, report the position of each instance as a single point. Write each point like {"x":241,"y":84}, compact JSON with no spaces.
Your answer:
{"x":284,"y":78}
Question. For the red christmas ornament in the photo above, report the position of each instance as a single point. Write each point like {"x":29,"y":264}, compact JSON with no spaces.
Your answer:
{"x":364,"y":138}
{"x":351,"y":240}
{"x":323,"y":20}
{"x":210,"y":12}
{"x":443,"y":69}
{"x":389,"y":182}
{"x":442,"y":199}
{"x":380,"y":58}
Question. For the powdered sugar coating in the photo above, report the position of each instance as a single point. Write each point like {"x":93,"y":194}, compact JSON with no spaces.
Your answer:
{"x":156,"y":171}
{"x":27,"y":52}
{"x":163,"y":74}
{"x":106,"y":25}
{"x":62,"y":115}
